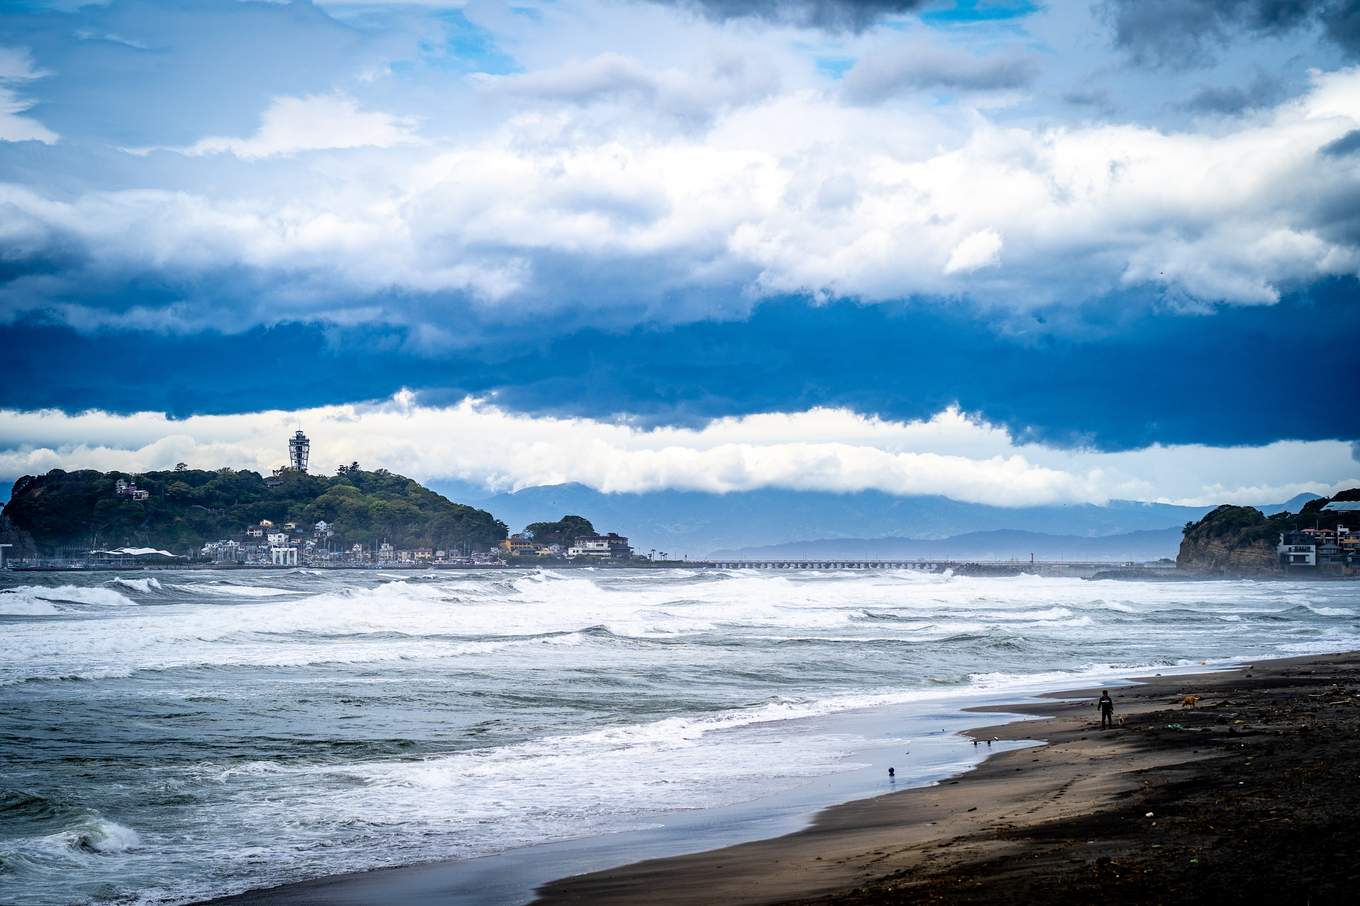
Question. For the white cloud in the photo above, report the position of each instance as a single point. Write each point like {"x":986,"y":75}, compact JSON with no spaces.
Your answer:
{"x":819,"y":449}
{"x":978,"y":250}
{"x":793,"y":193}
{"x":694,"y":95}
{"x":16,"y":65}
{"x":315,"y":123}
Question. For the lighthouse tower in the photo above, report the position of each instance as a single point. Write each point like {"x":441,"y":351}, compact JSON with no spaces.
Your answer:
{"x":298,"y":448}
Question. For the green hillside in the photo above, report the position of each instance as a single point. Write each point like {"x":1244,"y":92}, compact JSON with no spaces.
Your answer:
{"x":188,"y":507}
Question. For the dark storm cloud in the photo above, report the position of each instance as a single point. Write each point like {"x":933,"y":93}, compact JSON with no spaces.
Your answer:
{"x":1232,"y":99}
{"x":1346,"y":145}
{"x":1182,"y":33}
{"x":887,"y":74}
{"x":836,"y":15}
{"x":1126,"y":383}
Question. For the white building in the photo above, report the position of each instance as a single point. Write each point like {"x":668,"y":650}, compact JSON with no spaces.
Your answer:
{"x":1296,"y":549}
{"x":283,"y":556}
{"x":601,"y":547}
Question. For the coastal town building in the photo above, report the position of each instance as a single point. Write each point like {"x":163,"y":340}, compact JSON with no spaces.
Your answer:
{"x":602,"y":547}
{"x":1335,"y":549}
{"x":519,"y":543}
{"x":283,"y":556}
{"x":124,"y":488}
{"x":1296,"y":549}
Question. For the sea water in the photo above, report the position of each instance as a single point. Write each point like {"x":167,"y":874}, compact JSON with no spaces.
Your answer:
{"x":174,"y":735}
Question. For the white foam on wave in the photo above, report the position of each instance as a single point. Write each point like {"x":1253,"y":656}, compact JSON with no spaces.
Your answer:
{"x":93,"y":834}
{"x":1333,"y":611}
{"x":40,"y":599}
{"x":227,"y":590}
{"x":347,"y":621}
{"x":146,"y":585}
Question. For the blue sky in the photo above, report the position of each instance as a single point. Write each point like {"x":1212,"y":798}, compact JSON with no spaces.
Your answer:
{"x":1082,"y":249}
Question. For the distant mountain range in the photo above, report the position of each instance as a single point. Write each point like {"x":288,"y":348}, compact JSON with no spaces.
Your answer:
{"x":696,"y":523}
{"x":1003,"y":544}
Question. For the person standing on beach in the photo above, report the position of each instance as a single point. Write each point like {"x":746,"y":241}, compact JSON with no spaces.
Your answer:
{"x":1106,"y":706}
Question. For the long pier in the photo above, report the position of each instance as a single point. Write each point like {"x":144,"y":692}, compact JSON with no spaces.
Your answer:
{"x":982,"y":567}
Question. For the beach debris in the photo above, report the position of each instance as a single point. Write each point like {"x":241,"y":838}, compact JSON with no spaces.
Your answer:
{"x":1148,"y":815}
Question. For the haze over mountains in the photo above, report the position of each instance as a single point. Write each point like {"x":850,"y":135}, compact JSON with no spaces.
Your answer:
{"x":1002,"y":544}
{"x":697,"y":524}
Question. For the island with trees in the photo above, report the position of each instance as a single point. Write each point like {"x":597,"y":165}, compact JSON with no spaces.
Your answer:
{"x":183,"y":509}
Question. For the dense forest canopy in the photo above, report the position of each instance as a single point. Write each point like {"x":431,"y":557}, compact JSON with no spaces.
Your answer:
{"x":189,"y":507}
{"x":564,"y":531}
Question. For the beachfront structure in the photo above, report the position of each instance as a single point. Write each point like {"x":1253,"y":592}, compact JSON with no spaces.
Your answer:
{"x":601,"y":547}
{"x":1297,"y":549}
{"x":299,"y":449}
{"x":520,"y":543}
{"x":283,"y":556}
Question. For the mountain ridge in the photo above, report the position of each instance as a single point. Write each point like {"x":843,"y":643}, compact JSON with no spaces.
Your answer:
{"x":696,"y":523}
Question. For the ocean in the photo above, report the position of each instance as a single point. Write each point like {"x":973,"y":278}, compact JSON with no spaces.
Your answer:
{"x":170,"y":736}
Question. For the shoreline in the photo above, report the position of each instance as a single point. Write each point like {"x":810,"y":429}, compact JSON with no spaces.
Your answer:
{"x":847,"y":845}
{"x":1090,"y":816}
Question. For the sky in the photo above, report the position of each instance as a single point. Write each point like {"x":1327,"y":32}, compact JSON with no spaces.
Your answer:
{"x":1012,"y":252}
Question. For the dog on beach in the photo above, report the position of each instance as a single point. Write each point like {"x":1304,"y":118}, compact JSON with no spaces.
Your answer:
{"x":1190,"y":701}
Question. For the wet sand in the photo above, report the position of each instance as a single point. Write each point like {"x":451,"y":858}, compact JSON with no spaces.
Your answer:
{"x":1248,"y":797}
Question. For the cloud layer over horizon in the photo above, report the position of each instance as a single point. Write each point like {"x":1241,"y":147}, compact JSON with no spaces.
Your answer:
{"x":950,"y":454}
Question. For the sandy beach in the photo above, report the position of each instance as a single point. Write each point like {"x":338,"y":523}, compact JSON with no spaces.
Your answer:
{"x":1247,"y":797}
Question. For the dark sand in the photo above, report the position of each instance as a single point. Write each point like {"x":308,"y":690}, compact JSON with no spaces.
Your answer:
{"x":1254,"y":797}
